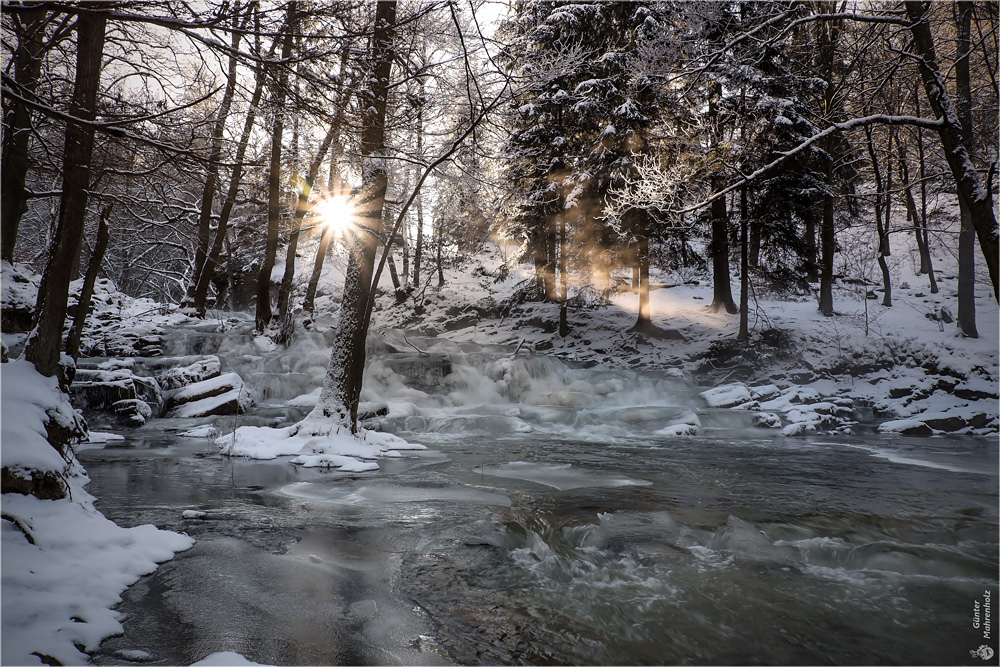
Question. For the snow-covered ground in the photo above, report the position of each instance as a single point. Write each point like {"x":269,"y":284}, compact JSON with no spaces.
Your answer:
{"x":64,"y":564}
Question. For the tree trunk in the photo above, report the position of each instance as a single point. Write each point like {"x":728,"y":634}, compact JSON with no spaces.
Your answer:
{"x":563,"y":282}
{"x":212,"y":261}
{"x":27,"y":61}
{"x":305,"y":192}
{"x":212,"y":171}
{"x":827,"y":54}
{"x":550,"y":259}
{"x":882,"y":206}
{"x":827,"y":246}
{"x":418,"y":248}
{"x":970,"y":190}
{"x":744,"y":333}
{"x":915,"y":218}
{"x":45,"y":341}
{"x":264,"y":313}
{"x":722,"y":290}
{"x":966,"y":316}
{"x":644,"y":322}
{"x":439,"y":244}
{"x":308,"y":304}
{"x":418,"y":245}
{"x":342,"y":387}
{"x":87,"y":291}
{"x":809,"y":216}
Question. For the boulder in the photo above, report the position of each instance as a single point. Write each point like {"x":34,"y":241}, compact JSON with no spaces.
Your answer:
{"x":132,"y":412}
{"x":98,"y":389}
{"x":203,"y":368}
{"x":727,"y":395}
{"x":222,"y":395}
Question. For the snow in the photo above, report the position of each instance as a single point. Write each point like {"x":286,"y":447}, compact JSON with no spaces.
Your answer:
{"x":27,"y":400}
{"x":64,"y":564}
{"x":727,"y":396}
{"x":314,"y":444}
{"x":223,"y":659}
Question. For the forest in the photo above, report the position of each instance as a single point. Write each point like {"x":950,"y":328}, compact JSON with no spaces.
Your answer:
{"x":350,"y":231}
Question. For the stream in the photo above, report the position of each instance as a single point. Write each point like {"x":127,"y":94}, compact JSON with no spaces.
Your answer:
{"x":553,"y":528}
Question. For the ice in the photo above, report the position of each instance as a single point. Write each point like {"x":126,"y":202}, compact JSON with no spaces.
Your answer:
{"x":561,"y":476}
{"x":370,"y":495}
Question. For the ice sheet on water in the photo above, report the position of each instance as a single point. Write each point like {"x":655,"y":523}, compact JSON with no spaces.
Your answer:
{"x":223,"y":658}
{"x":561,"y":476}
{"x":381,"y":494}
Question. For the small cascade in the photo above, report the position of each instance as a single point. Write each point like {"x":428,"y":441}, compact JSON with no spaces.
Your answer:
{"x":434,"y":386}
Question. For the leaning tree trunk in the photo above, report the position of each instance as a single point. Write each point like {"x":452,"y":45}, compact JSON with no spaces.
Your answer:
{"x":27,"y":61}
{"x":87,"y":291}
{"x":970,"y":189}
{"x":45,"y":341}
{"x":212,"y":261}
{"x":305,"y":191}
{"x":264,"y":313}
{"x":338,"y":401}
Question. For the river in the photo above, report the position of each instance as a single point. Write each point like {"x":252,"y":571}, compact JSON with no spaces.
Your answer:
{"x":594,"y":544}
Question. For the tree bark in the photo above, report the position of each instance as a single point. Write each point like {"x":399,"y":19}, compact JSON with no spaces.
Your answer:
{"x":342,"y":387}
{"x":916,"y":219}
{"x":45,"y":341}
{"x":744,"y":333}
{"x":970,"y":190}
{"x":722,"y":289}
{"x":563,"y":282}
{"x":87,"y":291}
{"x":264,"y":313}
{"x":829,"y":37}
{"x":809,"y":217}
{"x":966,"y":316}
{"x":27,"y":61}
{"x":882,"y":204}
{"x":644,"y":322}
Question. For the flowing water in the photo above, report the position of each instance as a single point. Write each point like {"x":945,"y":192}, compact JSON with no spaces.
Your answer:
{"x":551,"y":520}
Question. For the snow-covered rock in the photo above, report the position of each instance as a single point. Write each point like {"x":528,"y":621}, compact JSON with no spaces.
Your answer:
{"x":178,"y":373}
{"x":727,"y":395}
{"x":38,"y":429}
{"x":222,"y":395}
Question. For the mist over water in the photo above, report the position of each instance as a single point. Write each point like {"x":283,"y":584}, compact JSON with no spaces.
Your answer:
{"x":552,"y":519}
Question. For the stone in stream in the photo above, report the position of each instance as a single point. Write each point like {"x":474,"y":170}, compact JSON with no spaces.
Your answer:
{"x":177,"y":376}
{"x":99,"y":389}
{"x":222,"y":395}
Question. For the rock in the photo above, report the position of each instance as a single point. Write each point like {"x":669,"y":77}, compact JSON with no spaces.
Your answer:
{"x":372,"y":409}
{"x":727,"y":395}
{"x":101,"y":389}
{"x":176,"y":377}
{"x":222,"y":395}
{"x":132,"y":412}
{"x":462,"y":322}
{"x":766,"y":420}
{"x":947,"y":424}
